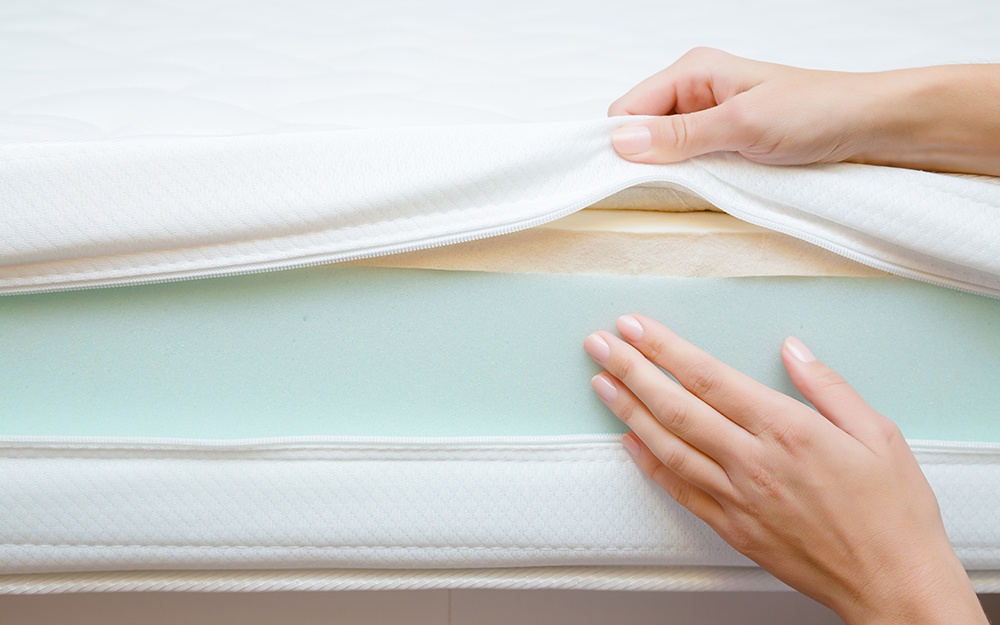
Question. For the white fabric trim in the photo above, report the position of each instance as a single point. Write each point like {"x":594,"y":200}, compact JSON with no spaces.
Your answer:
{"x":632,"y":578}
{"x":394,"y":503}
{"x":571,"y":577}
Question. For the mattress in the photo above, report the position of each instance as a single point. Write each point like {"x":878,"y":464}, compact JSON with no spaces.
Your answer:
{"x":355,"y":425}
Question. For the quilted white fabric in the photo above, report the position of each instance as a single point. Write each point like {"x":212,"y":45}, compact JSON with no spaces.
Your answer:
{"x":404,"y":503}
{"x":80,"y":70}
{"x":96,"y":213}
{"x":145,"y":142}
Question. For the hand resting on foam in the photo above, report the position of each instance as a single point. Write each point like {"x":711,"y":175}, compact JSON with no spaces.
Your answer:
{"x":832,"y":503}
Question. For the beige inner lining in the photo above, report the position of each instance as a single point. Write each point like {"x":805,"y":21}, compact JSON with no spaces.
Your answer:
{"x":630,"y":241}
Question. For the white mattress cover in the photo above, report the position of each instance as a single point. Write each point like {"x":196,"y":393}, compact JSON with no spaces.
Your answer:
{"x":160,"y":142}
{"x":146,"y":143}
{"x":86,"y":505}
{"x":139,"y":210}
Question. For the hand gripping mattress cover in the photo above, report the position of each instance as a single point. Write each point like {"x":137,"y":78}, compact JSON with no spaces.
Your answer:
{"x":355,"y":427}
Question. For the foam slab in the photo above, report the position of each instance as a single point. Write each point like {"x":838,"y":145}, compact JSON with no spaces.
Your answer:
{"x":367,"y":351}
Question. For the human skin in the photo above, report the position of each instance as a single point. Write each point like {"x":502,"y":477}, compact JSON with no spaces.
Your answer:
{"x":830,"y":501}
{"x":944,"y":118}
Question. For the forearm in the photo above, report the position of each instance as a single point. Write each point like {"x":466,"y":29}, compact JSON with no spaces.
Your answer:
{"x":935,"y":592}
{"x":944,"y":118}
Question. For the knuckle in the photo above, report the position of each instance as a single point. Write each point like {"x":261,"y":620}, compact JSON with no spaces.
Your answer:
{"x":755,"y":471}
{"x":675,"y":415}
{"x":790,"y":436}
{"x":678,"y":459}
{"x":702,"y":379}
{"x":674,"y":487}
{"x":828,"y":379}
{"x":765,"y":485}
{"x":623,"y":368}
{"x":741,"y":533}
{"x":701,"y":53}
{"x":681,"y":135}
{"x":744,"y":121}
{"x":655,"y":347}
{"x":739,"y":115}
{"x":627,"y":413}
{"x":890,"y":433}
{"x":682,"y":494}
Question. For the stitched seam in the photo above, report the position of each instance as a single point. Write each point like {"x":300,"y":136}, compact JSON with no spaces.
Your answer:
{"x":340,"y":547}
{"x":392,"y":548}
{"x":616,"y":460}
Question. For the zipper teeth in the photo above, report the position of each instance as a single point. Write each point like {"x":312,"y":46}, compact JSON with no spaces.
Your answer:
{"x":509,"y":228}
{"x":400,"y":248}
{"x":875,"y":263}
{"x":917,"y":445}
{"x":305,"y":441}
{"x":881,"y":265}
{"x":931,"y":445}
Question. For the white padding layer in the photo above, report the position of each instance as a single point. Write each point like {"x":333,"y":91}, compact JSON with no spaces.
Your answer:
{"x":404,"y":503}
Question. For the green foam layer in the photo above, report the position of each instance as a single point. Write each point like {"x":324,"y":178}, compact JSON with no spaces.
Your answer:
{"x":336,"y":350}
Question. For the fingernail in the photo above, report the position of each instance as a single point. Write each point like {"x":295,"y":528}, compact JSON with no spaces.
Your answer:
{"x":631,"y":139}
{"x":630,"y":327}
{"x":604,"y":388}
{"x":597,"y":347}
{"x":800,"y":351}
{"x":631,"y":445}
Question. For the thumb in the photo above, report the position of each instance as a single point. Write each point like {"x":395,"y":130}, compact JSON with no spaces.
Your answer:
{"x":833,"y":397}
{"x":673,"y":138}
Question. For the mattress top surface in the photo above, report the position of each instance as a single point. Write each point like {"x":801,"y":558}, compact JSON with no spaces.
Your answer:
{"x":86,"y":70}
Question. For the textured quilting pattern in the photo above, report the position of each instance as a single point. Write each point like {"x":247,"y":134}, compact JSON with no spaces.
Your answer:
{"x":409,"y":504}
{"x":383,"y":505}
{"x":107,"y":212}
{"x":86,"y":69}
{"x":186,"y":139}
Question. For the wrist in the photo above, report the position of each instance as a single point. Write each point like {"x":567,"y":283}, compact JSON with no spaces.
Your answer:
{"x":937,"y":593}
{"x":944,"y":118}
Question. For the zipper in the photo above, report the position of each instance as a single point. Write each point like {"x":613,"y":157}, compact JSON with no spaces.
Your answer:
{"x":401,"y":248}
{"x":302,"y":441}
{"x":388,"y":250}
{"x":919,"y":445}
{"x":881,"y":265}
{"x":401,"y":442}
{"x":846,"y":252}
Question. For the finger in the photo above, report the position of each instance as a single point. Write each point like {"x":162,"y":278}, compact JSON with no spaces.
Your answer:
{"x":683,"y":459}
{"x":700,"y":503}
{"x":700,"y":79}
{"x":834,"y":398}
{"x":675,"y":138}
{"x":696,"y":99}
{"x":673,"y":407}
{"x":657,"y":95}
{"x":740,"y":398}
